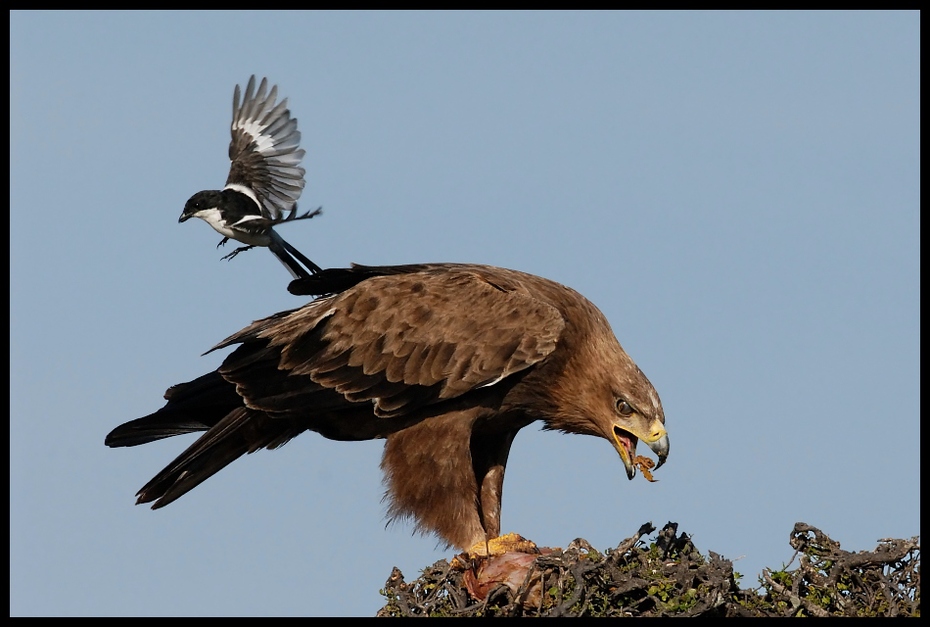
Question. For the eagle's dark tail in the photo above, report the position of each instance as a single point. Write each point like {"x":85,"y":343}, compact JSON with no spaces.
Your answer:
{"x":193,"y":406}
{"x":225,"y":442}
{"x":208,"y":403}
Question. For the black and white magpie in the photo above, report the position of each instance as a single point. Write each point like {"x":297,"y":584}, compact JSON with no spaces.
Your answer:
{"x":265,"y":180}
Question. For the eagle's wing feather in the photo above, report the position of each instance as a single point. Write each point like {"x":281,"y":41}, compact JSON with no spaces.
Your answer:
{"x":399,"y":342}
{"x":241,"y":431}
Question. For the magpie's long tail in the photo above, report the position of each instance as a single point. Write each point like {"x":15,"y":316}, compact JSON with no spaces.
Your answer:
{"x":315,"y":269}
{"x":283,"y":251}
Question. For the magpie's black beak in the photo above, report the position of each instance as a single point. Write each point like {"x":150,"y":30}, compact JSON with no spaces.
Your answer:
{"x":184,"y":217}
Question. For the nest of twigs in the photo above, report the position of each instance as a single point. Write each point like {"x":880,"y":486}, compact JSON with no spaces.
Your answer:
{"x":665,"y":577}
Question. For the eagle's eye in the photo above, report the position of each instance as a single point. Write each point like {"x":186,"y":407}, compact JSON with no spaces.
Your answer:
{"x":623,"y":407}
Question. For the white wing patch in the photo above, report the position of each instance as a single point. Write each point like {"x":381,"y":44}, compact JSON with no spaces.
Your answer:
{"x":242,"y":189}
{"x":263,"y":143}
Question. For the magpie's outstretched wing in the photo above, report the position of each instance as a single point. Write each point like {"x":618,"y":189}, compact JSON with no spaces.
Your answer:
{"x":264,"y":150}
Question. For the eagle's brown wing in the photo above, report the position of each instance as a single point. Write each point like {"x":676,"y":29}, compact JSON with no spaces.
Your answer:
{"x":398,"y":342}
{"x":351,"y":366}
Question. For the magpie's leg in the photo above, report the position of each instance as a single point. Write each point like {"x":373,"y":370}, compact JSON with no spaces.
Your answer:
{"x":237,"y":251}
{"x":222,"y":242}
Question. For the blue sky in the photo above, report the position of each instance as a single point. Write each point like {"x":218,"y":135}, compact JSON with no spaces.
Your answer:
{"x":738,"y":192}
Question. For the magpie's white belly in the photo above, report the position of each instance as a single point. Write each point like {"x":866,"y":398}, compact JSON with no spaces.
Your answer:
{"x":214,"y":218}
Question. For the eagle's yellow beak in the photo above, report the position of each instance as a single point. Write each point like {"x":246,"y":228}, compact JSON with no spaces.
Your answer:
{"x":624,"y":440}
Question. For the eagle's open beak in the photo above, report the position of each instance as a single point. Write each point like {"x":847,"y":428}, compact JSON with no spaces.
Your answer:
{"x":625,"y":443}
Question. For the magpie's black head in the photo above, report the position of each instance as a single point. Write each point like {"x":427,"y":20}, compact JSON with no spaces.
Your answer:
{"x":209,"y":199}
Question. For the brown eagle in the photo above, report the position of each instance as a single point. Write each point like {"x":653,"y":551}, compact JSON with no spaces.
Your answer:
{"x":447,"y":362}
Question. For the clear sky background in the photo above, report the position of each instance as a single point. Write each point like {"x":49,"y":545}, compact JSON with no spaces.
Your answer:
{"x":738,"y":192}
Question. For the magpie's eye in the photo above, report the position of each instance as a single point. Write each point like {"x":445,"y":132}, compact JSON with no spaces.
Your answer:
{"x":624,"y":408}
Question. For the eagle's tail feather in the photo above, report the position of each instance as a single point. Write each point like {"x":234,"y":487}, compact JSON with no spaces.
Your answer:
{"x":241,"y":431}
{"x":209,"y":403}
{"x":221,"y":445}
{"x":193,"y":406}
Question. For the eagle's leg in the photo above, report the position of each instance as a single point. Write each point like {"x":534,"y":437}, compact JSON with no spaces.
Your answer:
{"x":237,"y":251}
{"x":489,"y":458}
